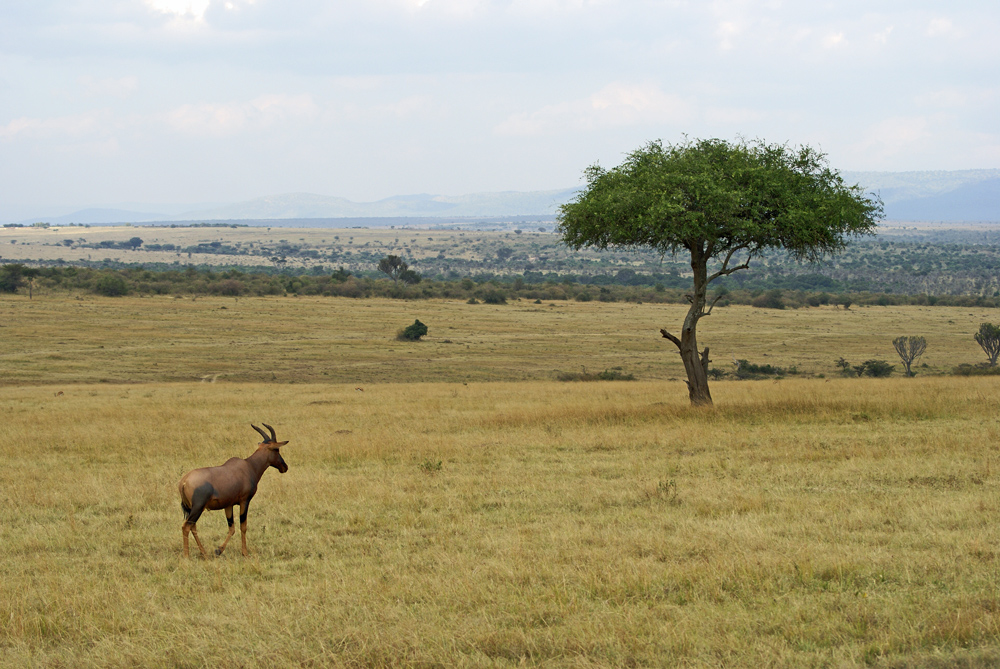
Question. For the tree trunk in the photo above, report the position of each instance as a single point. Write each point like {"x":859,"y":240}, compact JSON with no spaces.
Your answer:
{"x":695,"y":363}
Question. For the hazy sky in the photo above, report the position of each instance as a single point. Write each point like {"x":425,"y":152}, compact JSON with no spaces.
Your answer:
{"x":169,"y":101}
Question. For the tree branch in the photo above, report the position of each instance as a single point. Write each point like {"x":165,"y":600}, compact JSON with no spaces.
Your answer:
{"x":726,"y":270}
{"x":667,"y":335}
{"x":712,"y":305}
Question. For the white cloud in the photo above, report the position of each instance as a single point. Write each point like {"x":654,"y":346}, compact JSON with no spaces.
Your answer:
{"x":941,"y":26}
{"x":893,"y":137}
{"x":186,"y":9}
{"x":882,"y":37}
{"x":616,"y":104}
{"x":410,"y":107}
{"x":215,"y":119}
{"x":833,"y":40}
{"x":109,"y":87}
{"x":727,"y":32}
{"x":48,"y":128}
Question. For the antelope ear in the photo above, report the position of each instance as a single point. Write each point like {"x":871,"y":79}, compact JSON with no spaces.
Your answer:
{"x":277,"y":444}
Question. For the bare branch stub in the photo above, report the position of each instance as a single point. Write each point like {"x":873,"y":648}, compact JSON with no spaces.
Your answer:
{"x":667,"y":335}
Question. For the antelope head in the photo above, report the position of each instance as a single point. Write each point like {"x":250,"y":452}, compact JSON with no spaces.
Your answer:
{"x":272,"y":445}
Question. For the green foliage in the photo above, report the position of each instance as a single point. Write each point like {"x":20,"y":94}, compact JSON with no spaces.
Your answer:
{"x":721,"y":203}
{"x":769,"y":300}
{"x":409,"y":277}
{"x":874,"y":368}
{"x":412,"y":332}
{"x":983,"y":369}
{"x":607,"y":375}
{"x":393,"y":266}
{"x":712,"y":197}
{"x":111,"y":285}
{"x":429,"y":466}
{"x":493,"y":296}
{"x":988,"y":338}
{"x":749,"y":370}
{"x":11,"y":277}
{"x":205,"y":280}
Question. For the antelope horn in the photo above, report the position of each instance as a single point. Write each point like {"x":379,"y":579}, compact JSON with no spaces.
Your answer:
{"x":266,"y":438}
{"x":271,"y":430}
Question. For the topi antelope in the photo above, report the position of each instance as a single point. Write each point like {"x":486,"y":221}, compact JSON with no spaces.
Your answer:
{"x":227,"y":485}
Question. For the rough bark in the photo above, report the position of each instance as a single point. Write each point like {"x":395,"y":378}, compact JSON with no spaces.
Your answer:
{"x":695,"y":362}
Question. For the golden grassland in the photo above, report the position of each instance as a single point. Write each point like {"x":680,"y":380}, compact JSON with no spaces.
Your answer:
{"x":62,"y":338}
{"x":441,"y":517}
{"x":808,"y":522}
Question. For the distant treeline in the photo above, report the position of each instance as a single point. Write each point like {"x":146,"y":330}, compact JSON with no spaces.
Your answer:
{"x":195,"y":281}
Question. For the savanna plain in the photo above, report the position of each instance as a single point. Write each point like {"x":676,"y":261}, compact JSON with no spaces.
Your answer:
{"x":449,"y":503}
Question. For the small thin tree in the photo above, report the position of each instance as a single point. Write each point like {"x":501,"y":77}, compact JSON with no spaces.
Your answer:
{"x":909,"y":350}
{"x":394,"y":267}
{"x":988,"y":338}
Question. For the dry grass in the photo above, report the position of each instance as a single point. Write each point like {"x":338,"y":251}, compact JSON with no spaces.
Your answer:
{"x":62,"y":339}
{"x":804,"y":523}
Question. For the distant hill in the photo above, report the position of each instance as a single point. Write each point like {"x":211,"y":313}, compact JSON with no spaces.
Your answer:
{"x":308,"y":205}
{"x":949,"y":196}
{"x":961,"y":195}
{"x":98,"y":216}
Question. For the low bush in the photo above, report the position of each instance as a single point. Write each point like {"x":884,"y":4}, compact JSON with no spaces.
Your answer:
{"x":111,"y":285}
{"x":981,"y":369}
{"x":493,"y":296}
{"x":412,"y":332}
{"x":874,"y":368}
{"x":749,"y":370}
{"x":769,"y":300}
{"x":606,"y":375}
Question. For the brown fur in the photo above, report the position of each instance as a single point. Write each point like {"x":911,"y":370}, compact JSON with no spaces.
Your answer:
{"x":225,"y":486}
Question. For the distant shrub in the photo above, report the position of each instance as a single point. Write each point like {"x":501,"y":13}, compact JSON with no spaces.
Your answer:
{"x":111,"y":285}
{"x":817,"y":300}
{"x":11,"y":277}
{"x":769,"y":300}
{"x":982,"y":369}
{"x":606,"y":375}
{"x":494,"y":296}
{"x":749,"y":370}
{"x":874,"y":368}
{"x":228,"y":287}
{"x":412,"y":332}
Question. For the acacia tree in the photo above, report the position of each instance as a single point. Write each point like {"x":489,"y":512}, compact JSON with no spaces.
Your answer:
{"x":722,"y":204}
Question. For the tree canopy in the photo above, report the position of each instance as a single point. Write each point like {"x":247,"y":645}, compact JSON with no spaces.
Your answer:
{"x":718,"y":201}
{"x":712,"y":197}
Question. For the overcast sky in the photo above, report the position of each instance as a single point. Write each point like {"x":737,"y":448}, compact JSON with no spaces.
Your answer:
{"x":183,"y":101}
